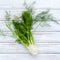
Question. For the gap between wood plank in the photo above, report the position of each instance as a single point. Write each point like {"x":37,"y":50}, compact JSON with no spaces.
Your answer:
{"x":38,"y":32}
{"x":29,"y":53}
{"x":15,"y":8}
{"x":36,"y":42}
{"x":6,"y":21}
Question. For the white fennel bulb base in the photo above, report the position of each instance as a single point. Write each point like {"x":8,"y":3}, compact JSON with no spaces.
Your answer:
{"x":33,"y":49}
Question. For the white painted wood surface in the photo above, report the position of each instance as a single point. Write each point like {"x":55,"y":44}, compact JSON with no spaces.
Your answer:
{"x":47,"y":38}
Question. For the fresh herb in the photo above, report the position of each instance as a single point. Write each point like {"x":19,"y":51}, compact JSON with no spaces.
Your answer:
{"x":22,"y":26}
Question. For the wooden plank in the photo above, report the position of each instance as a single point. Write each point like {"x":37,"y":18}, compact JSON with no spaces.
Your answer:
{"x":29,"y":57}
{"x":48,"y":42}
{"x":54,"y":13}
{"x":44,"y":37}
{"x":53,"y":27}
{"x":9,"y":4}
{"x":47,"y":4}
{"x":39,"y":3}
{"x":47,"y":37}
{"x":43,"y":48}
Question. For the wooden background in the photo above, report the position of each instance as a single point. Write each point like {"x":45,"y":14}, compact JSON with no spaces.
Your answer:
{"x":47,"y":38}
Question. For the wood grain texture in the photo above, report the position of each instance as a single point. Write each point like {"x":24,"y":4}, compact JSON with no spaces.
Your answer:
{"x":29,"y":57}
{"x":40,"y":37}
{"x":43,"y":48}
{"x":47,"y":38}
{"x":55,"y":13}
{"x":39,"y":3}
{"x":53,"y":27}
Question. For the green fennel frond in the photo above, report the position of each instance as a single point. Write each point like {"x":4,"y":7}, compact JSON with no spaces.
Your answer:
{"x":21,"y":26}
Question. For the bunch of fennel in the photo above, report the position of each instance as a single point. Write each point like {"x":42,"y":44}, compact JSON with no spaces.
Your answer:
{"x":22,"y":26}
